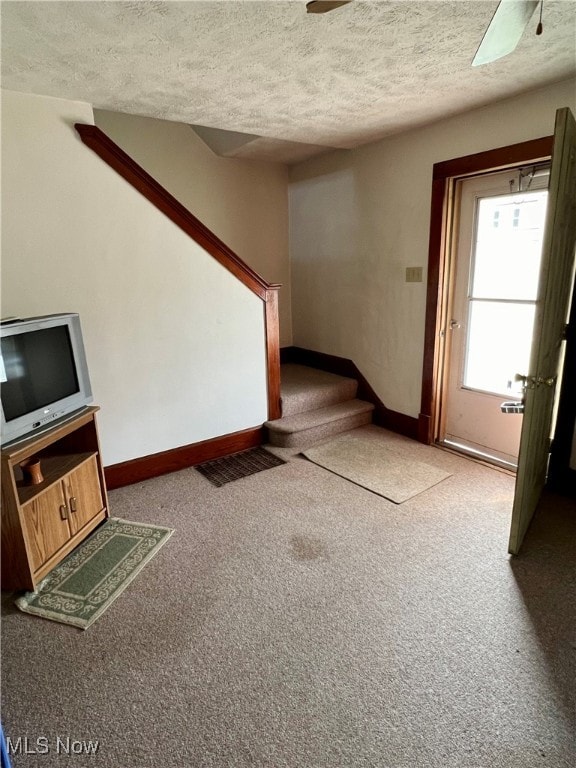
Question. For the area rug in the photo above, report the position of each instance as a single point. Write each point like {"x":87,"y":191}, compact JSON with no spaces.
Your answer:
{"x":90,"y":578}
{"x":238,"y":465}
{"x":389,"y":473}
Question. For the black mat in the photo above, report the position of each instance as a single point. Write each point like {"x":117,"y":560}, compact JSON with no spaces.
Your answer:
{"x":239,"y":465}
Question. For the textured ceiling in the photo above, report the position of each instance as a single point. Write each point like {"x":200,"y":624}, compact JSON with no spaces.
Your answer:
{"x":269,"y":69}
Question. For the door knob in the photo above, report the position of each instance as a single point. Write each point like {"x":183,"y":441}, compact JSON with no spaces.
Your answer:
{"x":530,"y":382}
{"x":549,"y":381}
{"x":454,"y":324}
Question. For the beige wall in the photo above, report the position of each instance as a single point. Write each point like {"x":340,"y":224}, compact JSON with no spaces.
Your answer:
{"x":245,"y":203}
{"x":175,"y":344}
{"x":359,"y":218}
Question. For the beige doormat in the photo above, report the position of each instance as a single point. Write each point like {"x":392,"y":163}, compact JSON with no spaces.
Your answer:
{"x":366,"y":462}
{"x":87,"y":582}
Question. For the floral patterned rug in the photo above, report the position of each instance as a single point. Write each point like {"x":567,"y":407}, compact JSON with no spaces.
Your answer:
{"x":85,"y":583}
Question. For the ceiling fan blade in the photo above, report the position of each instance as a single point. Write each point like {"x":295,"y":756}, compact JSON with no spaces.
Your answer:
{"x":505,"y":30}
{"x":323,"y":6}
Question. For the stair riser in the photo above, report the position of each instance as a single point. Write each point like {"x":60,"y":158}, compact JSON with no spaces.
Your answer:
{"x":307,"y":437}
{"x":311,"y":401}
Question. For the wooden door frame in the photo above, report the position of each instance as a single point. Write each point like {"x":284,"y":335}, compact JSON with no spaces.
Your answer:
{"x":561,"y":477}
{"x":444,"y":177}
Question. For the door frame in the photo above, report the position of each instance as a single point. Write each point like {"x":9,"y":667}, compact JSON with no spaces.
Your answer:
{"x":444,"y":177}
{"x":561,"y":478}
{"x":470,"y":419}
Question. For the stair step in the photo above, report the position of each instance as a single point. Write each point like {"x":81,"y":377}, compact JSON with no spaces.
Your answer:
{"x":306,"y":428}
{"x":305,"y":389}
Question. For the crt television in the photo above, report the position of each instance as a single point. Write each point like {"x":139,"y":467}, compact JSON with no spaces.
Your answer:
{"x":43,"y":374}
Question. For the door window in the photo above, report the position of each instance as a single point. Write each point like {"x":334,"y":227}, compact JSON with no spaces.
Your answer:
{"x":503,"y":290}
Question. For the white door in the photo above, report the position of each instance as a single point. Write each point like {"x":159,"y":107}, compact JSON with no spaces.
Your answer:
{"x":556,"y":278}
{"x":497,"y":265}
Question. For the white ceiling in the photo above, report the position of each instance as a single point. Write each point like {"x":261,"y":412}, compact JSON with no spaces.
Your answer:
{"x":296,"y":83}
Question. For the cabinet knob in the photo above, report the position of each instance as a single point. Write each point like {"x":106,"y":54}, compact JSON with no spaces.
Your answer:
{"x":64,"y":512}
{"x":73,"y":504}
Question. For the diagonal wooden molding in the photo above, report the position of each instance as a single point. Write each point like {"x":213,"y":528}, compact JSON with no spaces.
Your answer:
{"x":155,"y":193}
{"x":141,"y":180}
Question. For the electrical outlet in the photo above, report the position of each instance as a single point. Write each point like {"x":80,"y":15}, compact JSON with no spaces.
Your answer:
{"x":413,"y":274}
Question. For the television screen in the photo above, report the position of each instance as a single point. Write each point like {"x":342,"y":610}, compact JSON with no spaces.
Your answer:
{"x":43,"y":374}
{"x":39,"y":369}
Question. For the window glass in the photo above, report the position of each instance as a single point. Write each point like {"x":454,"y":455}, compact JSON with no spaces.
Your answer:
{"x":508,"y":246}
{"x":499,"y":341}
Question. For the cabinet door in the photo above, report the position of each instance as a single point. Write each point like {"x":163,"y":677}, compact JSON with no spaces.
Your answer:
{"x":83,"y":494}
{"x":45,"y":525}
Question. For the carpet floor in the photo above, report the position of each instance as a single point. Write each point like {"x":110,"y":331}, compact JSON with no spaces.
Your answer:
{"x":299,"y":621}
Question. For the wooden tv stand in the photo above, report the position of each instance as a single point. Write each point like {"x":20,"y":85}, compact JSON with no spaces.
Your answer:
{"x":42,"y":523}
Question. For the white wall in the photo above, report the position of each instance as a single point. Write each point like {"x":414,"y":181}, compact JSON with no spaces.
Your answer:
{"x":359,"y":218}
{"x":175,"y":344}
{"x":245,"y":203}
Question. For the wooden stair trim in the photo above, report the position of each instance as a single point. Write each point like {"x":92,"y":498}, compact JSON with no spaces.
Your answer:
{"x":141,"y":180}
{"x":155,"y":193}
{"x":382,"y":416}
{"x":272,"y":329}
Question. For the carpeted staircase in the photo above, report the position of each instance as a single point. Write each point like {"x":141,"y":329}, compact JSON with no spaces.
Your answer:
{"x":315,"y":406}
